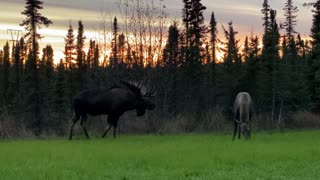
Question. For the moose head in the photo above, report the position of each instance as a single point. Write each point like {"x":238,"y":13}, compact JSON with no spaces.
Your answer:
{"x":245,"y":128}
{"x":142,"y":103}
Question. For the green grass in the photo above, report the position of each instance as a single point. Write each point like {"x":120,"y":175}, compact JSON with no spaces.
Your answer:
{"x":291,"y":155}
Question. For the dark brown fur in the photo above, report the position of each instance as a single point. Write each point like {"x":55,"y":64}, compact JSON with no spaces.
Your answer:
{"x":112,"y":102}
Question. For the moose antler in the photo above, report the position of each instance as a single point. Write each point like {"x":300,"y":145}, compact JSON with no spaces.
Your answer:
{"x":132,"y":87}
{"x":150,"y":91}
{"x":140,"y":84}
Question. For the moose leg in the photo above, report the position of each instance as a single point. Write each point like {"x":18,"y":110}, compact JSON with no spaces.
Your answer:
{"x":73,"y":121}
{"x":239,"y":132}
{"x":235,"y":130}
{"x":249,"y":133}
{"x":106,"y":131}
{"x":109,"y":121}
{"x":83,"y":125}
{"x":118,"y":129}
{"x":114,"y":131}
{"x":115,"y":125}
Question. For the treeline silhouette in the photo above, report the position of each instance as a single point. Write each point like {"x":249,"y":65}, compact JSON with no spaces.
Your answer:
{"x":194,"y":91}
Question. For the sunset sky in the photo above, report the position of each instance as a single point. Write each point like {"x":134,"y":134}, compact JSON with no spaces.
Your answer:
{"x":245,"y":14}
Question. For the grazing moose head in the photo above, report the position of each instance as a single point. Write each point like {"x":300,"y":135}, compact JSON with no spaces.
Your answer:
{"x":113,"y":102}
{"x":242,"y":114}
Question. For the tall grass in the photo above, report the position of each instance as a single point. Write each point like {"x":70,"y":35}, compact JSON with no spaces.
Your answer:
{"x":291,"y":155}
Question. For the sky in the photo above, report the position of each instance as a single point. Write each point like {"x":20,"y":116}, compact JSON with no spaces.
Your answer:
{"x":245,"y":15}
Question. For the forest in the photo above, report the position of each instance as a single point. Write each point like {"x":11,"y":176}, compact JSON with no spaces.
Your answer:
{"x":195,"y":89}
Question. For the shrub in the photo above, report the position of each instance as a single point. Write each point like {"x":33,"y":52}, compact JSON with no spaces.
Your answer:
{"x":303,"y":119}
{"x":10,"y":127}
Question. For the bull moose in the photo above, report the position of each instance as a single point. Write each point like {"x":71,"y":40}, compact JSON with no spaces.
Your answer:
{"x":113,"y":102}
{"x":242,"y":114}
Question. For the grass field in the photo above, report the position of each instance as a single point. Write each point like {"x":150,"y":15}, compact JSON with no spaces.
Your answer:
{"x":290,"y":155}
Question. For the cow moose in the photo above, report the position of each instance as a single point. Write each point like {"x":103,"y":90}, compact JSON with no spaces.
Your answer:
{"x":113,"y":102}
{"x":242,"y":114}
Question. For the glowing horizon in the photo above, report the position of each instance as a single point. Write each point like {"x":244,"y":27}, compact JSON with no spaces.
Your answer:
{"x":246,"y":18}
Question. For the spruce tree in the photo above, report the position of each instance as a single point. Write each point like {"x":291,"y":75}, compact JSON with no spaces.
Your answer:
{"x":289,"y":26}
{"x":93,"y":64}
{"x":60,"y":101}
{"x":96,"y":58}
{"x":6,"y":74}
{"x":121,"y":48}
{"x":291,"y":19}
{"x":195,"y":31}
{"x":212,"y":79}
{"x":17,"y":67}
{"x":292,"y":66}
{"x":313,"y":62}
{"x":301,"y":48}
{"x":47,"y":79}
{"x":20,"y":99}
{"x":81,"y":65}
{"x":70,"y":65}
{"x":17,"y":78}
{"x":69,"y":48}
{"x":114,"y":56}
{"x":171,"y":51}
{"x":254,"y":46}
{"x":1,"y":77}
{"x":90,"y":54}
{"x":170,"y":62}
{"x":249,"y":82}
{"x":266,"y":16}
{"x":213,"y":37}
{"x":269,"y":56}
{"x":246,"y":50}
{"x":186,"y":18}
{"x":231,"y":72}
{"x":33,"y":21}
